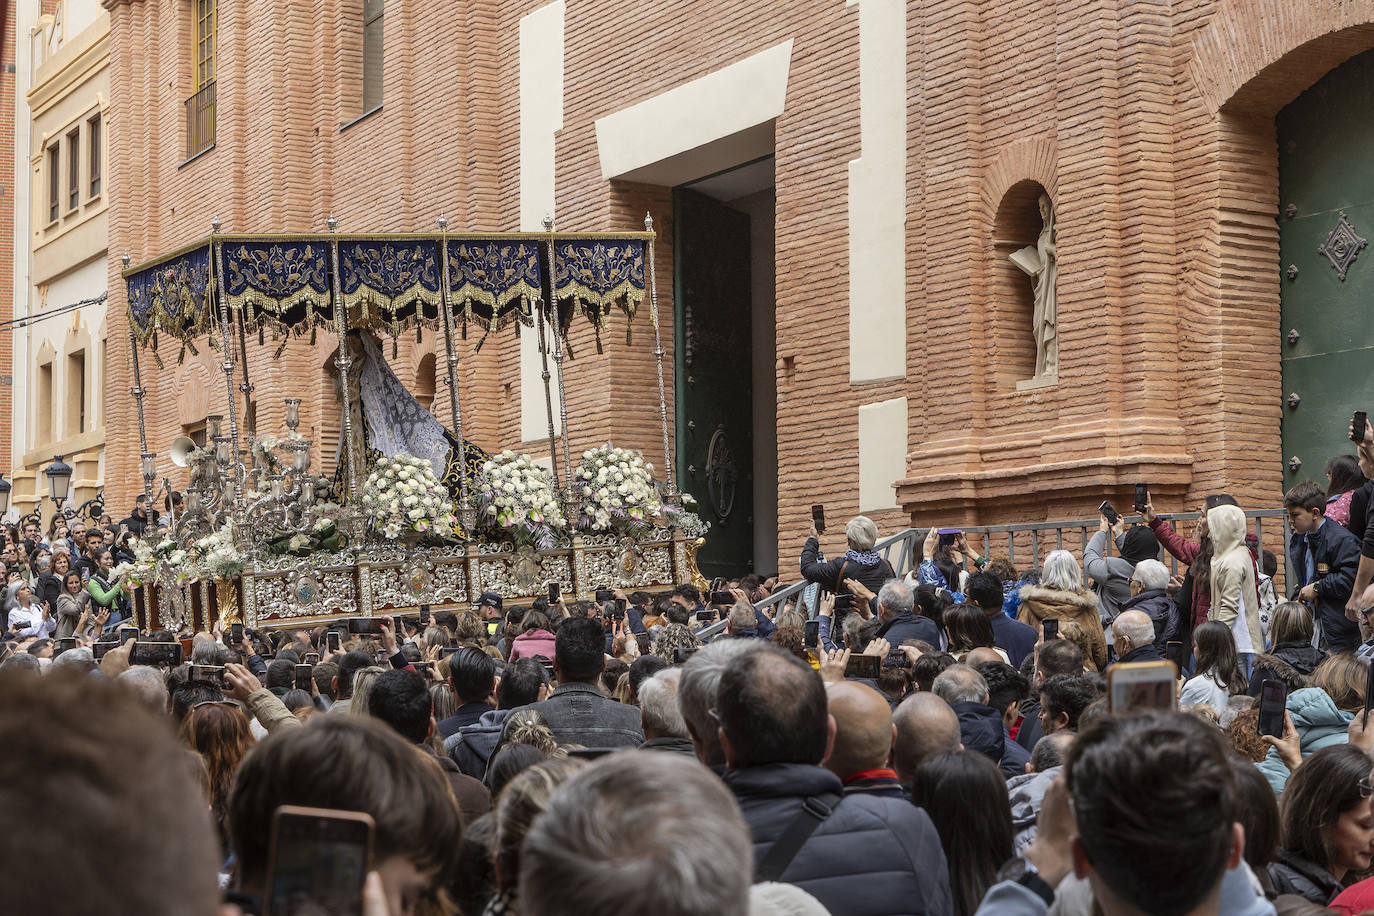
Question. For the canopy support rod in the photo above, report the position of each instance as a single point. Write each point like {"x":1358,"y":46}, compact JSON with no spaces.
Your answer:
{"x":658,"y":356}
{"x":250,"y":413}
{"x":558,"y":360}
{"x":344,"y":361}
{"x":235,"y":465}
{"x":542,"y":318}
{"x":451,"y":358}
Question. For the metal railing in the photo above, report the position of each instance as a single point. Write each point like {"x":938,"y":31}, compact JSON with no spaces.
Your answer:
{"x":903,"y":549}
{"x":200,"y":121}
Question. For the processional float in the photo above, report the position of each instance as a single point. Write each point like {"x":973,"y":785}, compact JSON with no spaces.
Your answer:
{"x":414,"y":515}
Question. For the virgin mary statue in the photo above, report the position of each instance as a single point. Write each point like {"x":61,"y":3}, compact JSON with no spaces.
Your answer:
{"x":389,"y":420}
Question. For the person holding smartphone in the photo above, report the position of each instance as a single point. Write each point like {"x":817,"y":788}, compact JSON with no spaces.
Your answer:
{"x":860,"y":560}
{"x":1112,"y":575}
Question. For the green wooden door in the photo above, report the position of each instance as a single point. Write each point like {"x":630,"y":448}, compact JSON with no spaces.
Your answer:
{"x":1326,"y":202}
{"x":713,"y":365}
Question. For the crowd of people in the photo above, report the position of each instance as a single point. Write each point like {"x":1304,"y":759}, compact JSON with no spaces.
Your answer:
{"x":936,"y":742}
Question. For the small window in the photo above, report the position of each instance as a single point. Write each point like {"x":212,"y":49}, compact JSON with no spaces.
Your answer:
{"x":196,"y":434}
{"x":372,"y":53}
{"x":54,"y":182}
{"x":75,"y":413}
{"x":73,"y":169}
{"x":93,"y":152}
{"x":43,"y":405}
{"x":206,"y":16}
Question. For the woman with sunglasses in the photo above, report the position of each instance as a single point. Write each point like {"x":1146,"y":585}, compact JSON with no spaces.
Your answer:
{"x":1327,"y":831}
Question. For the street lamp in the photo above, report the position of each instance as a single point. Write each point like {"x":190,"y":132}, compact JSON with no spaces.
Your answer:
{"x":59,"y":475}
{"x":5,"y":487}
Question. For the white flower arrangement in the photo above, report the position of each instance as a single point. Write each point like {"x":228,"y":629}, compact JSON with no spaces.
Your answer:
{"x":616,"y":491}
{"x":515,"y":499}
{"x":402,"y":494}
{"x":148,"y":558}
{"x":214,"y":556}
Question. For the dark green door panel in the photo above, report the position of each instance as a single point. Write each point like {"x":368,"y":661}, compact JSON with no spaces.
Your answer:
{"x":713,"y":383}
{"x":1326,"y":186}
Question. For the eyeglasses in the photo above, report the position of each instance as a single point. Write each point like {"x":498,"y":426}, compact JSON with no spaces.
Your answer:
{"x":1366,"y":790}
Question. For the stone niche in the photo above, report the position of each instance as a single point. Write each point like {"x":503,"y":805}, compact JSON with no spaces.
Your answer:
{"x":1011,"y":292}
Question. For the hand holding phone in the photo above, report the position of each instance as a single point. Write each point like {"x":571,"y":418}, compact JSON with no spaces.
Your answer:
{"x":818,"y":518}
{"x":1142,"y":497}
{"x":1142,"y":685}
{"x":1051,"y":625}
{"x":318,"y":861}
{"x":1357,"y":425}
{"x":1273,"y":702}
{"x":1109,"y":513}
{"x":811,"y":634}
{"x":555,"y":593}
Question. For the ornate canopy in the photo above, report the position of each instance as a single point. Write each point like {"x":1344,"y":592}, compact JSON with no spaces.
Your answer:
{"x":290,"y":284}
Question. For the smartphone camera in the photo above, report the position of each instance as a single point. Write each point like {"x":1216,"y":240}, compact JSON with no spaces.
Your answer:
{"x":1142,"y":497}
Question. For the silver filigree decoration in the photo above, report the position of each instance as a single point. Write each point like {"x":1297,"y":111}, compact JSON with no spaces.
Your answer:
{"x":1342,"y":246}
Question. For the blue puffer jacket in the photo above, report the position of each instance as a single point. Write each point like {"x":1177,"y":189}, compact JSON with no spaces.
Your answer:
{"x":874,"y":856}
{"x":1319,"y":723}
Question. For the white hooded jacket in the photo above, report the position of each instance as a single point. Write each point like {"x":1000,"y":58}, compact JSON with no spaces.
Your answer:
{"x":1235,"y":595}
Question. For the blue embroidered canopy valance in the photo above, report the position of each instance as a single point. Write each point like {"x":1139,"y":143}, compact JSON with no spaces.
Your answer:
{"x":291,"y":284}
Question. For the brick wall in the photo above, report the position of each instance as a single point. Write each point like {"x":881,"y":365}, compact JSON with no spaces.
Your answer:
{"x":1150,"y":123}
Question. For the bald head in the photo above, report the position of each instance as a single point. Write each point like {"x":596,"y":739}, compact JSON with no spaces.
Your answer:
{"x":863,"y":729}
{"x":1132,"y":630}
{"x":926,"y":725}
{"x":977,"y":656}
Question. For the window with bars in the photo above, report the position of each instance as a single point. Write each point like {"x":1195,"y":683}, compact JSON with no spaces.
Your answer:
{"x":93,"y":151}
{"x":373,"y":17}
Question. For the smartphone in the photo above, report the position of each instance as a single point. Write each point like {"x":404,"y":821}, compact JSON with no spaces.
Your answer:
{"x":1051,"y":625}
{"x":812,"y":634}
{"x":332,"y":641}
{"x":446,"y":651}
{"x":424,"y":616}
{"x":303,"y":677}
{"x":555,"y":593}
{"x":1109,"y":513}
{"x":548,"y":663}
{"x":318,"y":859}
{"x":99,"y":649}
{"x":127,"y":633}
{"x":818,"y":518}
{"x":722,"y":598}
{"x":620,"y":605}
{"x":424,"y":668}
{"x":843,"y":604}
{"x":1357,"y":426}
{"x":1173,"y":652}
{"x":312,"y":658}
{"x":156,"y":654}
{"x":212,"y":673}
{"x":65,"y":643}
{"x":236,"y":633}
{"x":949,"y":537}
{"x":1273,"y":701}
{"x":681,"y":654}
{"x":863,"y":666}
{"x":603,"y":595}
{"x":367,"y":626}
{"x":1142,"y":685}
{"x":1142,"y":496}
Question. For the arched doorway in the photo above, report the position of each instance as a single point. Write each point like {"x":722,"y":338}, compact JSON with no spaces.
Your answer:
{"x":1326,"y":217}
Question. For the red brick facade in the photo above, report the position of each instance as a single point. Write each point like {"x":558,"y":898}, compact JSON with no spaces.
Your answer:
{"x":7,"y":239}
{"x":1150,"y":124}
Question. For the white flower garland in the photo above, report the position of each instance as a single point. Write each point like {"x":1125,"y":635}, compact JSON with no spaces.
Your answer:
{"x":516,"y":499}
{"x":616,"y":489}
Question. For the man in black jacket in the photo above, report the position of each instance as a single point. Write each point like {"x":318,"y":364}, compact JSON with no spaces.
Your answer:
{"x":774,"y":732}
{"x":1149,"y":593}
{"x":577,"y":710}
{"x":1133,"y":638}
{"x":896,"y":605}
{"x":138,"y":520}
{"x":1325,"y":558}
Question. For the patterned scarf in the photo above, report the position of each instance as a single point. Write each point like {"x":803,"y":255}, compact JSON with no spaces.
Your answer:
{"x":863,"y":557}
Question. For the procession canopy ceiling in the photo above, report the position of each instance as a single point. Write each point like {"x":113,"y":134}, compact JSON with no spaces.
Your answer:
{"x":387,"y":283}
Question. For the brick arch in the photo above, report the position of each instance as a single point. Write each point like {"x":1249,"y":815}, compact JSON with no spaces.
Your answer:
{"x":193,"y":386}
{"x":1035,"y":159}
{"x":1251,"y":59}
{"x":1259,"y":55}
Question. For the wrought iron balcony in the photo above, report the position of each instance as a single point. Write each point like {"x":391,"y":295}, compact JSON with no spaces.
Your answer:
{"x":200,"y":121}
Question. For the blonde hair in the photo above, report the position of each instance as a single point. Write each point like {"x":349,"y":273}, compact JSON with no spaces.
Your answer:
{"x":1074,"y":633}
{"x":1342,"y":676}
{"x":523,"y":799}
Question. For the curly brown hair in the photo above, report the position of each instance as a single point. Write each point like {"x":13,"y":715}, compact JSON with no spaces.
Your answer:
{"x":791,"y":639}
{"x":1243,"y":734}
